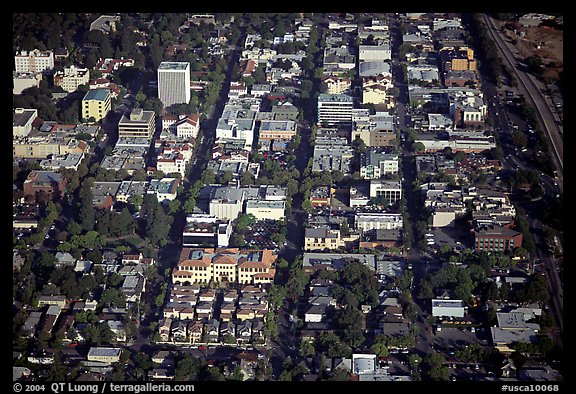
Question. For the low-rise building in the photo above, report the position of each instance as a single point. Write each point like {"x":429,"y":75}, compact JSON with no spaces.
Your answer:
{"x":448,"y":308}
{"x":105,"y":355}
{"x":206,"y":230}
{"x":50,"y":183}
{"x":165,"y":189}
{"x":390,"y":190}
{"x":375,"y":164}
{"x":332,"y":154}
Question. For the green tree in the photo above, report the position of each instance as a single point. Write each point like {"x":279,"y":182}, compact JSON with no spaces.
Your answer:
{"x":188,"y":369}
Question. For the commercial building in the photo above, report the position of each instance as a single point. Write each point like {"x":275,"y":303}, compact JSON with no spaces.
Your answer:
{"x":237,"y":123}
{"x":174,"y":83}
{"x":25,"y":81}
{"x":366,"y":221}
{"x":376,"y":130}
{"x":495,"y":238}
{"x":375,"y":52}
{"x":335,"y":110}
{"x":51,"y":183}
{"x":390,"y":190}
{"x":332,"y":154}
{"x":376,"y":164}
{"x":226,"y":202}
{"x":266,"y":210}
{"x":137,"y":124}
{"x":277,"y":130}
{"x":447,"y":308}
{"x":105,"y":355}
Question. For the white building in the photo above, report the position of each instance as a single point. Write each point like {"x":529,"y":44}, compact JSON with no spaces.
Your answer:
{"x":447,"y":308}
{"x":25,"y":81}
{"x":22,"y":119}
{"x":206,"y":230}
{"x":365,"y":221}
{"x":391,"y":190}
{"x":375,"y":52}
{"x":237,"y":124}
{"x":262,"y":210}
{"x":376,"y":164}
{"x":35,"y":61}
{"x":165,"y":189}
{"x":226,"y":202}
{"x":71,"y":77}
{"x":335,"y":110}
{"x":174,"y":83}
{"x":106,"y":355}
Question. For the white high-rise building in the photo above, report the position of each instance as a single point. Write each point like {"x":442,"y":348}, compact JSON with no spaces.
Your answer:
{"x":174,"y":83}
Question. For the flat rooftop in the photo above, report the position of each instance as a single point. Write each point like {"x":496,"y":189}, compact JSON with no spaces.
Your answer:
{"x":173,"y":66}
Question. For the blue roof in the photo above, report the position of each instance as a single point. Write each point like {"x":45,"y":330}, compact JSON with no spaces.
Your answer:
{"x":97,"y":94}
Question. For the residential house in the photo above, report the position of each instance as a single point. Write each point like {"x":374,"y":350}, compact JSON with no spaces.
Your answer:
{"x":258,"y":327}
{"x":195,"y":331}
{"x":178,"y":331}
{"x":212,"y":330}
{"x":165,"y":329}
{"x":117,"y":327}
{"x":164,"y":358}
{"x":315,"y":313}
{"x":161,"y":374}
{"x":204,"y":310}
{"x":227,"y":310}
{"x":64,"y":259}
{"x":243,"y":331}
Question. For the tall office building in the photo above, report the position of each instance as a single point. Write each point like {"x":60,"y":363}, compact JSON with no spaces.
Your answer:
{"x":174,"y":83}
{"x":335,"y":110}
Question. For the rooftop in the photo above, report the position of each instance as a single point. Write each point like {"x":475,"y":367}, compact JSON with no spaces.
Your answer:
{"x":174,"y":66}
{"x":97,"y":94}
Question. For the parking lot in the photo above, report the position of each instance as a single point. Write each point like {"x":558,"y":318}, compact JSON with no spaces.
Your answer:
{"x":455,"y":237}
{"x":260,"y":234}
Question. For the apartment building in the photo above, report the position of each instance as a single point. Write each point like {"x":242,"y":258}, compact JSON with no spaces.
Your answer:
{"x":35,"y":61}
{"x":224,"y":265}
{"x":96,"y":104}
{"x":71,"y":77}
{"x":174,"y":83}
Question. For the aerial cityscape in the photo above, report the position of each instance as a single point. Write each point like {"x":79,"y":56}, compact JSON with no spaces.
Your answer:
{"x":287,"y":197}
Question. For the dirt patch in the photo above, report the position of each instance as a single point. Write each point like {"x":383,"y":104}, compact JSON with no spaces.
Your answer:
{"x":543,"y":41}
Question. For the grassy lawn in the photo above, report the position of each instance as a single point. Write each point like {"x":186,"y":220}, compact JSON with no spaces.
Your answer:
{"x":134,"y":242}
